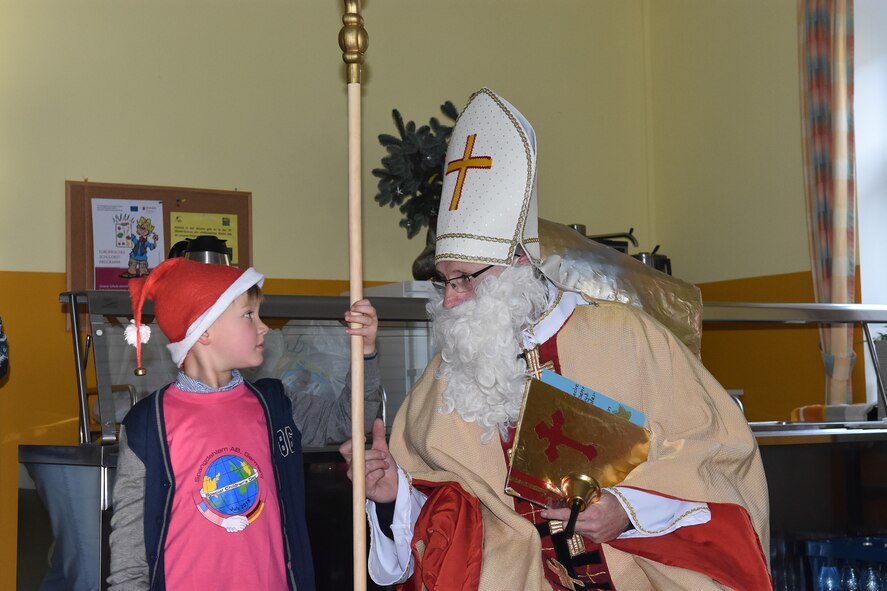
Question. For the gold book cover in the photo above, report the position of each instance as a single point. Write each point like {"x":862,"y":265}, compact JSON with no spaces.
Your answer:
{"x":559,"y":436}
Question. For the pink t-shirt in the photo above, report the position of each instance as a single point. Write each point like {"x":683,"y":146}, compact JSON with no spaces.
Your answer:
{"x":225,"y":531}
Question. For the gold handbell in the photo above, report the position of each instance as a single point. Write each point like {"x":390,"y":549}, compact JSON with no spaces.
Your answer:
{"x":579,"y":490}
{"x":140,"y":371}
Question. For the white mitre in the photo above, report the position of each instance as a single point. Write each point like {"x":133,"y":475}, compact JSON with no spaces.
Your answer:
{"x":488,"y":207}
{"x":488,"y":203}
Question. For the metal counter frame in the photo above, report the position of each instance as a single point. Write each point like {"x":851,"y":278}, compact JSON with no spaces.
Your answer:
{"x":787,"y":433}
{"x":779,"y":313}
{"x":98,"y":305}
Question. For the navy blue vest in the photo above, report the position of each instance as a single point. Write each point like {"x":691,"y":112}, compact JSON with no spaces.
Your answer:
{"x":146,"y":435}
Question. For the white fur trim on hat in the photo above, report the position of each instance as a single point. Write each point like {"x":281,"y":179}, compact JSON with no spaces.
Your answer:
{"x":180,"y":349}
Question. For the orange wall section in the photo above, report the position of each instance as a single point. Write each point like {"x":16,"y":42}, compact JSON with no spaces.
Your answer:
{"x":778,"y":366}
{"x":38,"y":396}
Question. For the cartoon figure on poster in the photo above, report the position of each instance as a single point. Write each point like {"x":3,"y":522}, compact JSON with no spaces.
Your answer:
{"x":127,"y":240}
{"x":141,"y":244}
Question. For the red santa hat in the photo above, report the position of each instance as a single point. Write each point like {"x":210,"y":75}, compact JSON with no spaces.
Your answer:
{"x":188,"y":297}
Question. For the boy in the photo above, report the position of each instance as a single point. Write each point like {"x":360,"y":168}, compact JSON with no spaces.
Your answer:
{"x":209,"y":490}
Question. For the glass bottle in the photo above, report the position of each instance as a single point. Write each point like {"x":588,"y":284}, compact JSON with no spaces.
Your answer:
{"x":849,"y":577}
{"x":870,"y":579}
{"x":829,"y":578}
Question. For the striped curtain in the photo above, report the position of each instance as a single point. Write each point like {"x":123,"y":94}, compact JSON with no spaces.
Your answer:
{"x":826,"y":64}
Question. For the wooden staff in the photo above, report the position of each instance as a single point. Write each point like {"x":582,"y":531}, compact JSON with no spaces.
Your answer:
{"x":353,"y":40}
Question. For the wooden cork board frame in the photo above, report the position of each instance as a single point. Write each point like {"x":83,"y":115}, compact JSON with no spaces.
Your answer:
{"x":79,"y":265}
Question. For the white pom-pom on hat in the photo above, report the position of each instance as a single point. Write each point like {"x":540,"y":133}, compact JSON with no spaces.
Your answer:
{"x":143,"y":331}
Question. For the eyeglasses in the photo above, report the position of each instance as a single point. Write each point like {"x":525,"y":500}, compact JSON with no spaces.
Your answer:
{"x":459,"y":284}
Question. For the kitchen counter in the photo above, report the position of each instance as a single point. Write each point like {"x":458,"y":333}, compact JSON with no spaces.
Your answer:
{"x":789,"y":433}
{"x":90,"y":454}
{"x":829,"y":489}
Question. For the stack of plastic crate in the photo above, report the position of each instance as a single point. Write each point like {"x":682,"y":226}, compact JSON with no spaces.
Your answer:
{"x":848,"y":564}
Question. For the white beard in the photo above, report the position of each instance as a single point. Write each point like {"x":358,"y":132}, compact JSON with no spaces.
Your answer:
{"x":479,"y":341}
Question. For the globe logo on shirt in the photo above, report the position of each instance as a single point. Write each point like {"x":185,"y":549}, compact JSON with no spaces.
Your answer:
{"x":230,"y":485}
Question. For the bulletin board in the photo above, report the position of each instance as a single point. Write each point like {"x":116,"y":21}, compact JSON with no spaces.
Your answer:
{"x":80,"y":262}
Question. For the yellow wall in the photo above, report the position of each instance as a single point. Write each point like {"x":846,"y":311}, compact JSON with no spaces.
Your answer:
{"x":729,"y":193}
{"x":251,"y":95}
{"x":676,"y":118}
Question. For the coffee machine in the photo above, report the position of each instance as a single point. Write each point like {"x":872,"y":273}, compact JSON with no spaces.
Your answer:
{"x":204,"y":249}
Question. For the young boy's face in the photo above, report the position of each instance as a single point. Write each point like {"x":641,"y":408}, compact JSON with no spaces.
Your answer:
{"x":238,"y":335}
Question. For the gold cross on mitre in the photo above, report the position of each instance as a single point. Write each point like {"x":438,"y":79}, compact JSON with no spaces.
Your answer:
{"x":467,"y":161}
{"x":534,"y":365}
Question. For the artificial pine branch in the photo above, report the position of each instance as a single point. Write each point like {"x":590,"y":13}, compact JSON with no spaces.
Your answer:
{"x":410,"y":177}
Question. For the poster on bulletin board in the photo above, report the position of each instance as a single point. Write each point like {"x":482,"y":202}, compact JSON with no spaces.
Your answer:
{"x":189,"y":225}
{"x":126,"y":234}
{"x":115,"y":232}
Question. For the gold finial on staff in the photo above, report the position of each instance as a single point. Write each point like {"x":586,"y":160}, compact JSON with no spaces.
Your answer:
{"x":353,"y":40}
